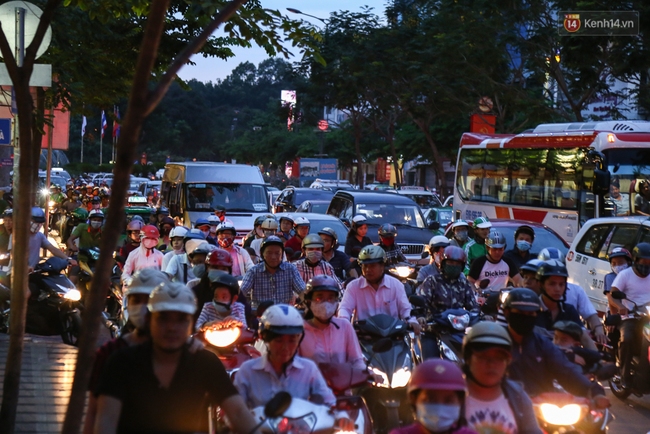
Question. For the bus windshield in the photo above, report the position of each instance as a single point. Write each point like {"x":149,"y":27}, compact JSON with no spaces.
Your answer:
{"x":234,"y":197}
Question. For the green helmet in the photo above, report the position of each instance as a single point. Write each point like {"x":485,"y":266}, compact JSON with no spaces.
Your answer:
{"x":80,"y":214}
{"x":312,"y":240}
{"x":484,"y":335}
{"x":372,"y":254}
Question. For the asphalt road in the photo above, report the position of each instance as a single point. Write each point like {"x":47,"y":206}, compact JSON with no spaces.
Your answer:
{"x":632,"y":415}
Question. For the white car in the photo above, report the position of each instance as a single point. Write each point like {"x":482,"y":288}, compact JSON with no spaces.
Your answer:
{"x":587,"y":261}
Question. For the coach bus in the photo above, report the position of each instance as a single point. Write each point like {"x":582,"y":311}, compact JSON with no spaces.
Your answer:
{"x":556,"y":174}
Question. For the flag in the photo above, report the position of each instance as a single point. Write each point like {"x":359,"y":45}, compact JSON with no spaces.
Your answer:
{"x":116,"y":125}
{"x":104,"y":124}
{"x":83,"y":126}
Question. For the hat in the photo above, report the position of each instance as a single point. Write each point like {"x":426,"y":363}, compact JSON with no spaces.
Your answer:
{"x":482,"y":223}
{"x":570,"y":328}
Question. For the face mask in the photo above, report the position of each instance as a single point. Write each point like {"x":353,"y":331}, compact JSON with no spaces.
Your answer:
{"x":226,"y":242}
{"x":314,"y":256}
{"x":149,"y":243}
{"x":618,"y":268}
{"x":199,"y":270}
{"x":138,"y":315}
{"x":206,"y":233}
{"x":452,"y":271}
{"x":437,"y":417}
{"x":524,"y":246}
{"x":95,"y":224}
{"x":324,"y":310}
{"x":643,"y":270}
{"x":461,"y":236}
{"x":221,"y":308}
{"x":388,"y":241}
{"x":437,"y":258}
{"x":35,"y":227}
{"x":522,"y":324}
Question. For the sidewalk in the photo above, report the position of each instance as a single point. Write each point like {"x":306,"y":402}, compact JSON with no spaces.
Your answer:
{"x":45,"y":384}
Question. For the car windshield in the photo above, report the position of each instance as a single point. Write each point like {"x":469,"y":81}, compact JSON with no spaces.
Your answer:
{"x":444,"y":217}
{"x":425,"y":200}
{"x":379,"y":213}
{"x":234,"y":197}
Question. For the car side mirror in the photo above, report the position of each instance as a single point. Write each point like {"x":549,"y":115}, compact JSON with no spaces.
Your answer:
{"x":346,"y":222}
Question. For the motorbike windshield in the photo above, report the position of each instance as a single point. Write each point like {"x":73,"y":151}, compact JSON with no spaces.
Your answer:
{"x":234,"y":197}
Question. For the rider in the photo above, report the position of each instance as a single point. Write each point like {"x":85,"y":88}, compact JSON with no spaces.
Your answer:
{"x":476,"y":247}
{"x":6,"y":228}
{"x":536,"y":362}
{"x":437,"y":394}
{"x":487,"y":352}
{"x":72,"y":202}
{"x":312,"y":264}
{"x":357,"y":238}
{"x":280,"y":368}
{"x":203,"y":225}
{"x":179,"y":267}
{"x":133,"y":229}
{"x":328,"y":339}
{"x":376,"y":292}
{"x":256,"y":232}
{"x":336,"y":258}
{"x":520,"y":253}
{"x":176,"y":245}
{"x":166,"y":226}
{"x":241,"y":260}
{"x":387,"y":234}
{"x":153,"y":387}
{"x":301,"y":227}
{"x":38,"y":241}
{"x":459,"y":228}
{"x":269,"y":227}
{"x":492,"y":271}
{"x":286,"y":228}
{"x":273,"y":278}
{"x":145,"y":256}
{"x":224,"y":305}
{"x":620,"y":258}
{"x":634,"y":282}
{"x":89,"y":236}
{"x":437,"y":246}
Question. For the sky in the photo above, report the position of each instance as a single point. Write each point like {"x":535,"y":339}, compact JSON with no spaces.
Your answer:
{"x":211,"y":69}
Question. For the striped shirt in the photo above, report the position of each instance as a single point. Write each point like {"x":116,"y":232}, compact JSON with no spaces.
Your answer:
{"x":260,"y":285}
{"x":307,"y":271}
{"x":209,"y":313}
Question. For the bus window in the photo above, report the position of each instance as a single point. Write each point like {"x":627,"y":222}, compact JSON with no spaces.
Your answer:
{"x":527,"y":185}
{"x":496,"y":178}
{"x":470,"y":173}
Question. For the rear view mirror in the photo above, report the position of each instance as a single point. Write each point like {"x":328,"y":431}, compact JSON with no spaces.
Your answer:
{"x":277,"y":405}
{"x":417,"y":301}
{"x":618,"y":295}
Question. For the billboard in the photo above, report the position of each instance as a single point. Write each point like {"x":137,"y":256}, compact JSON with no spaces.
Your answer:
{"x":323,"y":168}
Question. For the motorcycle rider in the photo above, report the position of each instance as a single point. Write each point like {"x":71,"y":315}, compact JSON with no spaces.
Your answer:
{"x":72,"y":202}
{"x":224,"y":305}
{"x":437,"y":245}
{"x":216,"y":260}
{"x":387,"y":235}
{"x":6,"y":228}
{"x":634,"y":282}
{"x":269,"y":227}
{"x":336,"y":258}
{"x":166,"y":226}
{"x":475,"y":248}
{"x":273,"y":278}
{"x":620,"y":258}
{"x":241,"y":260}
{"x":312,"y":264}
{"x":460,"y":233}
{"x":328,"y":339}
{"x":89,"y":236}
{"x":301,"y":228}
{"x":376,"y":292}
{"x":286,"y":228}
{"x":145,"y":256}
{"x":203,"y":225}
{"x":492,"y":271}
{"x":38,"y":241}
{"x":552,"y":276}
{"x":357,"y":238}
{"x":179,"y":267}
{"x":256,"y":232}
{"x":487,"y":352}
{"x":153,"y":387}
{"x":536,"y":362}
{"x":176,"y":236}
{"x":520,"y":253}
{"x":437,"y":394}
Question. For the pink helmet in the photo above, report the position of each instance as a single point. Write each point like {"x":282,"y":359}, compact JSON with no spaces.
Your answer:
{"x":438,"y":375}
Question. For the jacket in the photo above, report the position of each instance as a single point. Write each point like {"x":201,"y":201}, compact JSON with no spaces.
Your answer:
{"x":521,"y":406}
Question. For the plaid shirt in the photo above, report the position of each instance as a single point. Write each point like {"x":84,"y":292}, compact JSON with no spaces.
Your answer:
{"x":260,"y":285}
{"x":307,"y":272}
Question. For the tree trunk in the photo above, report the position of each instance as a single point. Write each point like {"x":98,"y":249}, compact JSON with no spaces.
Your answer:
{"x":437,"y":161}
{"x":357,"y":151}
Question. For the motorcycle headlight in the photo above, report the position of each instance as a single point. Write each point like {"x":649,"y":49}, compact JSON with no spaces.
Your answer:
{"x":44,"y":191}
{"x":402,"y":270}
{"x":51,"y":204}
{"x":383,"y":376}
{"x":73,"y":295}
{"x":448,"y":352}
{"x":503,"y":296}
{"x":561,"y":416}
{"x":400,"y":378}
{"x":459,"y":322}
{"x":222,"y":337}
{"x":290,"y":425}
{"x":647,"y":309}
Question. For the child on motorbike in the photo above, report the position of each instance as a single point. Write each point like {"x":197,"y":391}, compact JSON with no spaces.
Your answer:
{"x":224,"y":307}
{"x":567,"y":337}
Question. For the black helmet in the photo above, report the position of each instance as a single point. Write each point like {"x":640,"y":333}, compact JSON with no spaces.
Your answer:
{"x":322,"y":282}
{"x":525,"y":229}
{"x":532,"y":265}
{"x":271,"y":241}
{"x":261,"y":218}
{"x":641,"y":251}
{"x":550,"y":268}
{"x":387,"y":230}
{"x":331,"y":233}
{"x":221,"y":278}
{"x":523,"y":299}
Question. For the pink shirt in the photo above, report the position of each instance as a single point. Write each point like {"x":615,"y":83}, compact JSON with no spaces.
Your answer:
{"x":363,"y":301}
{"x":332,"y":344}
{"x":139,"y":259}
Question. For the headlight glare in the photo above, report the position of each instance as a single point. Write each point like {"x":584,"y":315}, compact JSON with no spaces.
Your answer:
{"x":561,"y":416}
{"x":73,"y":295}
{"x":459,"y":322}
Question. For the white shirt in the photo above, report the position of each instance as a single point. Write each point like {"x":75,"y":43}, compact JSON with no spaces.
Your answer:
{"x":139,"y":259}
{"x":577,"y":297}
{"x":636,"y":288}
{"x":490,"y":416}
{"x":169,"y":256}
{"x":176,"y":269}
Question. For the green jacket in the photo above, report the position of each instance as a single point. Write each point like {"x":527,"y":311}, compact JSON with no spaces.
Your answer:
{"x":473,"y":250}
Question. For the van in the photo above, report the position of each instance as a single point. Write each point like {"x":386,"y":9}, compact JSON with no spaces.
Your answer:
{"x":192,"y":190}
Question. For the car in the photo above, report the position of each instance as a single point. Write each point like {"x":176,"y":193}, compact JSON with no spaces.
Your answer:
{"x":314,"y":206}
{"x":449,"y":201}
{"x":292,"y":197}
{"x":320,"y":221}
{"x":332,"y":184}
{"x":441,"y":215}
{"x":377,"y":186}
{"x":380,"y":208}
{"x":587,"y":260}
{"x":149,"y":185}
{"x":424,"y":198}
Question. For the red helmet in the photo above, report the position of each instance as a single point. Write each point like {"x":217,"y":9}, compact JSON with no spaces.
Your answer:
{"x":438,"y":375}
{"x":620,"y":252}
{"x":218,"y":258}
{"x":150,"y":231}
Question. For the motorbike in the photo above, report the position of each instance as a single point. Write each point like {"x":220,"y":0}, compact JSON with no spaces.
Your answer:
{"x":231,"y":343}
{"x":386,"y":344}
{"x":560,"y":412}
{"x":67,"y":223}
{"x":640,"y":384}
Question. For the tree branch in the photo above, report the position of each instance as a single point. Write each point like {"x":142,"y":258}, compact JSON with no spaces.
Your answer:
{"x":43,"y":24}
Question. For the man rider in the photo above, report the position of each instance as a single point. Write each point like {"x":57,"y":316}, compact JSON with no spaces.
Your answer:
{"x":520,"y":253}
{"x":286,"y":228}
{"x":459,"y":228}
{"x":241,"y":260}
{"x":301,"y":228}
{"x":492,"y":271}
{"x":337,"y":259}
{"x":132,"y":242}
{"x":176,"y":245}
{"x":269,"y":227}
{"x":89,"y":236}
{"x":475,"y":248}
{"x":179,"y":268}
{"x":256,"y":232}
{"x":312,"y":264}
{"x":437,"y":245}
{"x":387,"y":235}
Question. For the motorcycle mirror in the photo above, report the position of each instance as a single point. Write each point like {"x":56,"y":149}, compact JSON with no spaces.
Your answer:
{"x":277,"y":405}
{"x":382,"y":345}
{"x":162,"y":247}
{"x":618,"y":295}
{"x":424,"y":254}
{"x":613,"y":320}
{"x":417,"y":301}
{"x":484,"y":283}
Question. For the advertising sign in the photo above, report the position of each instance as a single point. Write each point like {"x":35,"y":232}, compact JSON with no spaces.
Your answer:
{"x":312,"y":168}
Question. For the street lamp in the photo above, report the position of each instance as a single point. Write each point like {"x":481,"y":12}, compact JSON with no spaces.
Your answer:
{"x":296,"y":11}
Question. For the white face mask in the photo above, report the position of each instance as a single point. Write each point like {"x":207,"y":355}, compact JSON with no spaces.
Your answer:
{"x":314,"y":256}
{"x":437,"y":417}
{"x":324,"y":310}
{"x":618,"y":268}
{"x":138,"y":315}
{"x":149,"y":243}
{"x":95,"y":224}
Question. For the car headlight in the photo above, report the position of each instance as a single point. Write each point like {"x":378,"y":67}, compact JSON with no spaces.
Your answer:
{"x":401,"y":378}
{"x":223,"y":337}
{"x":73,"y":295}
{"x":459,"y":322}
{"x":402,"y":270}
{"x":561,"y":416}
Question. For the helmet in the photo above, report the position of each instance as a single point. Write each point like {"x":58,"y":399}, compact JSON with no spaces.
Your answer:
{"x":322,"y":282}
{"x":271,"y":241}
{"x":96,"y":214}
{"x":332,"y":233}
{"x":202,"y":248}
{"x":220,"y":278}
{"x":482,"y":223}
{"x":163,"y":210}
{"x":226,"y":226}
{"x":280,"y":319}
{"x":532,"y":265}
{"x":438,"y":241}
{"x":138,"y":218}
{"x":8,"y":213}
{"x":134,"y":225}
{"x":570,"y":328}
{"x":387,"y":230}
{"x":150,"y":231}
{"x":145,"y":280}
{"x":550,"y":268}
{"x":192,"y":234}
{"x":495,"y":240}
{"x":213,"y":220}
{"x":372,"y":254}
{"x":172,"y":296}
{"x":523,"y":299}
{"x":551,"y":253}
{"x":301,"y":221}
{"x":486,"y":334}
{"x":201,"y":222}
{"x":218,"y":258}
{"x":269,"y":224}
{"x":287,"y":217}
{"x":38,"y":215}
{"x":167,"y":221}
{"x":312,"y":240}
{"x":525,"y":229}
{"x":438,"y":375}
{"x":259,"y":220}
{"x":178,"y":231}
{"x":458,"y":223}
{"x":90,"y":185}
{"x":641,"y":251}
{"x":96,"y":199}
{"x":358,"y":220}
{"x":619,"y":252}
{"x":454,"y":253}
{"x":79,"y":214}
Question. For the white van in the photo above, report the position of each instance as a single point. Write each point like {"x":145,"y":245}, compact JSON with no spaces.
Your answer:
{"x":193,"y":190}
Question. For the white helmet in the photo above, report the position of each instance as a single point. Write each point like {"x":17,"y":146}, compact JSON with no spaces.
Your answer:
{"x":551,"y":253}
{"x":439,"y":241}
{"x":226,"y":226}
{"x":458,"y":223}
{"x":280,"y":319}
{"x":213,"y":219}
{"x":301,"y":221}
{"x":178,"y":231}
{"x":145,"y":280}
{"x":172,"y":296}
{"x":270,"y":224}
